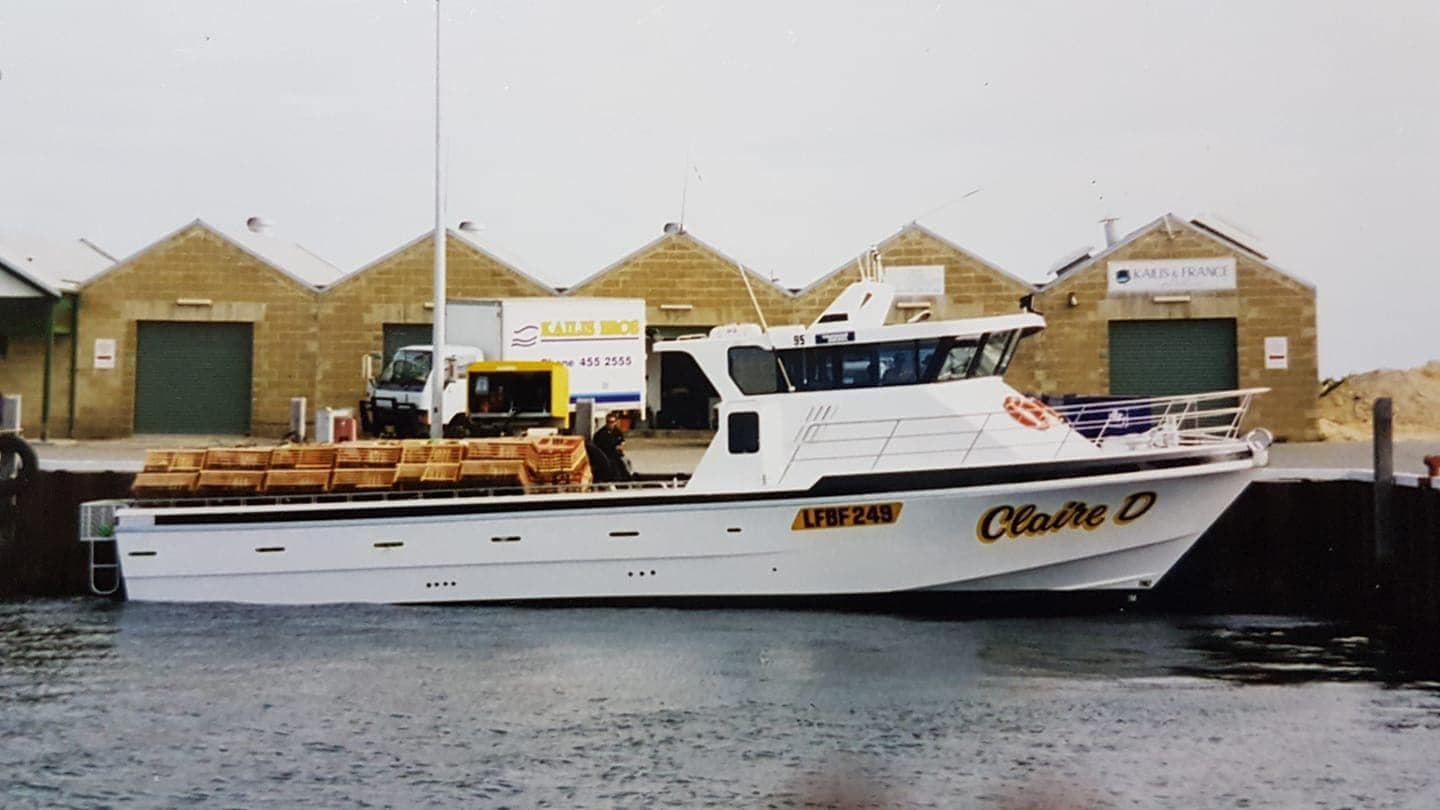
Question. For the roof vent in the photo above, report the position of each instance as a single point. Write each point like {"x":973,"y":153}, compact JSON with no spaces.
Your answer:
{"x":1108,"y":223}
{"x":471,"y":226}
{"x":674,"y":227}
{"x":258,"y":225}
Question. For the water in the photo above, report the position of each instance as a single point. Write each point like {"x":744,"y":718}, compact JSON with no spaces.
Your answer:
{"x":224,"y":706}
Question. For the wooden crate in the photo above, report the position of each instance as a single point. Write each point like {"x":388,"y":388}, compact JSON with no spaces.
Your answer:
{"x":163,"y":483}
{"x":297,"y":480}
{"x":555,"y":454}
{"x":231,"y":480}
{"x":441,"y":472}
{"x":173,"y":460}
{"x":367,"y":455}
{"x":363,"y":477}
{"x":449,"y":452}
{"x":505,"y":449}
{"x":409,"y":473}
{"x":237,"y":458}
{"x":493,"y":472}
{"x":414,"y":452}
{"x":301,"y":456}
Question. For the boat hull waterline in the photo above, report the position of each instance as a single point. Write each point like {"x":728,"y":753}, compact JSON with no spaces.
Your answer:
{"x":1097,"y":531}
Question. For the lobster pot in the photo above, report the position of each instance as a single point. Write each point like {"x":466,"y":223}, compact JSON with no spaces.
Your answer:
{"x":499,"y":449}
{"x":237,"y":458}
{"x":494,"y":473}
{"x":238,"y":482}
{"x":355,"y":454}
{"x":302,"y":457}
{"x":297,"y":480}
{"x":363,"y":478}
{"x":162,"y":484}
{"x":162,"y":461}
{"x":555,"y":454}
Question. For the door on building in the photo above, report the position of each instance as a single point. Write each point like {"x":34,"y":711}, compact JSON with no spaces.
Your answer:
{"x":406,"y":334}
{"x":193,"y":377}
{"x":1156,"y":358}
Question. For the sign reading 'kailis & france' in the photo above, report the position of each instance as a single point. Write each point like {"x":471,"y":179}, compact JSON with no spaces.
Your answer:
{"x":1172,"y":275}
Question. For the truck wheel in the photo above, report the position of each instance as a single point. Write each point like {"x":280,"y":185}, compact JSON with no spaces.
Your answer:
{"x":13,"y":449}
{"x":458,"y":427}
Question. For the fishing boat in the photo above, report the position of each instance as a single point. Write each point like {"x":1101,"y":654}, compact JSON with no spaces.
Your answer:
{"x":851,"y":456}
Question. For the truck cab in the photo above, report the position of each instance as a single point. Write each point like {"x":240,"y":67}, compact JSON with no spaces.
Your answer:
{"x":398,"y":400}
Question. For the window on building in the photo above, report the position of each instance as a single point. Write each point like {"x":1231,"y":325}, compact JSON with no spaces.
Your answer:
{"x":744,"y":430}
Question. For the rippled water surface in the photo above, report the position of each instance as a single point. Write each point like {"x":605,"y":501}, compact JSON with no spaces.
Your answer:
{"x":161,"y":706}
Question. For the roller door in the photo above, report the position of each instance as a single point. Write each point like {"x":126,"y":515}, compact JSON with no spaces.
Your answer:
{"x":192,"y":378}
{"x":1160,"y":358}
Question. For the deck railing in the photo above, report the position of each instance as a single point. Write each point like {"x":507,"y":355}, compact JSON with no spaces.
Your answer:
{"x":1118,"y":425}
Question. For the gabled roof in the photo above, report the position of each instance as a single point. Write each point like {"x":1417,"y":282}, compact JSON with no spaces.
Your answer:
{"x":1171,"y":222}
{"x":450,"y":234}
{"x":53,"y":267}
{"x":915,"y":227}
{"x":289,"y":260}
{"x":290,"y":257}
{"x":687,"y":236}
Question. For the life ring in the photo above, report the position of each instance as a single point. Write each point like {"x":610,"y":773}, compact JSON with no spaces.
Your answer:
{"x":1031,"y":413}
{"x":28,"y":469}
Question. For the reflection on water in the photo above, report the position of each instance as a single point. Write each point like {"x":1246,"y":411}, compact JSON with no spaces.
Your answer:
{"x":44,"y":645}
{"x":1280,"y":651}
{"x":241,"y":706}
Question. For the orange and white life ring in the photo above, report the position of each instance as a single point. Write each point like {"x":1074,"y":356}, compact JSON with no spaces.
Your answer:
{"x":1032,"y":413}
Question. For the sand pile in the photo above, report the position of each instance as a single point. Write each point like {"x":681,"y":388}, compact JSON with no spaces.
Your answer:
{"x":1345,"y":411}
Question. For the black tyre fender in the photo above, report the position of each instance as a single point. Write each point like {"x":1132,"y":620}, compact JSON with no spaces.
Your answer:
{"x":29,"y":465}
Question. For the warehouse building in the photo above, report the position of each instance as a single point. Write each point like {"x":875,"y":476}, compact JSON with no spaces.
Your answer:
{"x":389,"y":303}
{"x":39,"y":286}
{"x":932,"y":275}
{"x":1179,"y":307}
{"x":201,"y":332}
{"x":689,"y":287}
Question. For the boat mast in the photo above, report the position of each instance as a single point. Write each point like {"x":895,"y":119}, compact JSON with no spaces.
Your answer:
{"x":437,"y":342}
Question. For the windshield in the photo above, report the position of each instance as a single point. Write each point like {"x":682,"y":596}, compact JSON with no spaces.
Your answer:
{"x":409,"y":370}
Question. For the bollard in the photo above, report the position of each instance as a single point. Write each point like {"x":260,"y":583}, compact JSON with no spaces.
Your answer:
{"x":1383,"y":526}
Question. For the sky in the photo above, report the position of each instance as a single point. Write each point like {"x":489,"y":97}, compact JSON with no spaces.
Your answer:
{"x":796,"y":133}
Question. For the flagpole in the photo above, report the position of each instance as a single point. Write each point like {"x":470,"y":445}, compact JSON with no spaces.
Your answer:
{"x":437,"y":370}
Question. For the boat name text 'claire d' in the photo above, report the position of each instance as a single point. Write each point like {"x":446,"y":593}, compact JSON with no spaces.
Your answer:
{"x":1028,"y":521}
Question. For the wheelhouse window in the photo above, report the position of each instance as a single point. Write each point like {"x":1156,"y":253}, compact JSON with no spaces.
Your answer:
{"x":758,"y":370}
{"x":744,"y":430}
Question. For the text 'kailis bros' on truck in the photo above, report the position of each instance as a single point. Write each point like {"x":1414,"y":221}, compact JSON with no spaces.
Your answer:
{"x":505,"y":349}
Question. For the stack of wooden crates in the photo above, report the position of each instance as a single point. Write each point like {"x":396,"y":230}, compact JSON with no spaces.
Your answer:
{"x":546,"y":463}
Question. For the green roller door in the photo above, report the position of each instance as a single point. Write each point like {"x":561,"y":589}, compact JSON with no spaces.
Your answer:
{"x":1161,"y":358}
{"x":406,"y":334}
{"x":192,"y":378}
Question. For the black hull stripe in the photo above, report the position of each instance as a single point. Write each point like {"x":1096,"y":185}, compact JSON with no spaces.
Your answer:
{"x":866,"y":484}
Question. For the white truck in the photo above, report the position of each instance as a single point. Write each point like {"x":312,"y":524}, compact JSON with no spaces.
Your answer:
{"x":601,"y":341}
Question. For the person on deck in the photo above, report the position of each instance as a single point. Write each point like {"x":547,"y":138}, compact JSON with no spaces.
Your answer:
{"x":610,"y":439}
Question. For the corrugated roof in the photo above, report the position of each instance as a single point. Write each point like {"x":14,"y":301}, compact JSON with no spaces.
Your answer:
{"x":290,"y":257}
{"x":54,"y":266}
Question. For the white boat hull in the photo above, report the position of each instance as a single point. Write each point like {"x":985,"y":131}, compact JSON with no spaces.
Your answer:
{"x":653,"y":546}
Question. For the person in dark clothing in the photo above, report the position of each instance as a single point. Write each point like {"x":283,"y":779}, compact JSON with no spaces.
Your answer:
{"x":610,"y":439}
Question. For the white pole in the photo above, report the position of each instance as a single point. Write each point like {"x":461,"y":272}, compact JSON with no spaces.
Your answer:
{"x":437,"y":371}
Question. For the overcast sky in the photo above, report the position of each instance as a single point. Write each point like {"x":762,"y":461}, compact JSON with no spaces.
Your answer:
{"x":812,"y":130}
